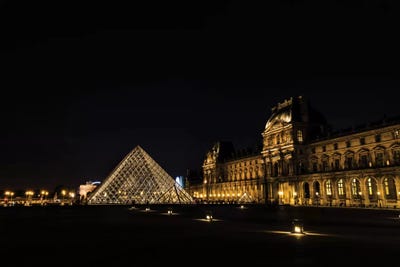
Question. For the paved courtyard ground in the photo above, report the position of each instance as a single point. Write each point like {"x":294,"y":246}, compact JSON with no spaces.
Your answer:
{"x":253,"y":236}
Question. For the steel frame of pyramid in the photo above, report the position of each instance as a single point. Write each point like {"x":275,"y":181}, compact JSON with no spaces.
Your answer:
{"x":138,"y":179}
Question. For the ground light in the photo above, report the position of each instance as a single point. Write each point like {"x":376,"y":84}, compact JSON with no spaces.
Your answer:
{"x":297,"y":226}
{"x":209,"y":216}
{"x":169,"y":211}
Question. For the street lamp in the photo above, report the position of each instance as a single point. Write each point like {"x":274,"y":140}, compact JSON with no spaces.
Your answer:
{"x":28,"y":194}
{"x":9,"y":194}
{"x":44,"y":194}
{"x":63,"y":193}
{"x":72,"y":196}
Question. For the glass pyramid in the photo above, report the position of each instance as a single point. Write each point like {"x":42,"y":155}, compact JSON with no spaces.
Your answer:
{"x":138,"y":179}
{"x":245,"y":198}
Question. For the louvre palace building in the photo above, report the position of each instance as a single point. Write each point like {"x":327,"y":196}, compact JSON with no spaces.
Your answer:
{"x":302,"y":162}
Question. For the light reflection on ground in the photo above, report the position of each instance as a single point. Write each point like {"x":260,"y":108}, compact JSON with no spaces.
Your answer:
{"x":205,"y":220}
{"x":298,"y":234}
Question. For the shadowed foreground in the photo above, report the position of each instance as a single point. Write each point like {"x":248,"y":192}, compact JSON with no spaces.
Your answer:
{"x":255,"y":235}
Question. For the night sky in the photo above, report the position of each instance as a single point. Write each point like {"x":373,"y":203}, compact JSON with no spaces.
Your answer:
{"x":83,"y":83}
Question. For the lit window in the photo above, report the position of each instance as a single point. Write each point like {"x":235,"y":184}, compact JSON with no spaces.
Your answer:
{"x":369,"y":184}
{"x":328,"y":188}
{"x":355,"y":187}
{"x":300,"y":136}
{"x":386,"y":184}
{"x":340,"y":187}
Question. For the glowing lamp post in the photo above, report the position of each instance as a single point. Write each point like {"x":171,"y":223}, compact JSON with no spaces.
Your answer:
{"x":44,"y":195}
{"x":9,"y":194}
{"x":72,"y":196}
{"x":28,"y":195}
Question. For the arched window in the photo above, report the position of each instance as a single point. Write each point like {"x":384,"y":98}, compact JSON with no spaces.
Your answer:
{"x":372,"y":189}
{"x":369,"y":186}
{"x":306,"y":190}
{"x":355,"y":187}
{"x":340,"y":187}
{"x":390,"y":188}
{"x":386,"y":185}
{"x":328,"y":187}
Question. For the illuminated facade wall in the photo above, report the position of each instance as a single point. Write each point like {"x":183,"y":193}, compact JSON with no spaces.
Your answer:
{"x":300,"y":164}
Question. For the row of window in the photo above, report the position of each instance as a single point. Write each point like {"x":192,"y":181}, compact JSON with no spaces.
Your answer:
{"x":389,"y":188}
{"x":378,"y":138}
{"x":363,"y":162}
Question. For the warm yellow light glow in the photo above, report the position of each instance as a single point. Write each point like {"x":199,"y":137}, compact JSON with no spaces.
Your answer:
{"x":63,"y":192}
{"x":280,"y":193}
{"x":359,"y":193}
{"x":294,"y":193}
{"x":209,"y":218}
{"x":378,"y":193}
{"x":205,"y":181}
{"x":72,"y":194}
{"x":297,"y":229}
{"x":29,"y":193}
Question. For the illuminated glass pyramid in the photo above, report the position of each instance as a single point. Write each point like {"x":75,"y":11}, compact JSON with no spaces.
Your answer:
{"x":138,"y":179}
{"x":245,"y":198}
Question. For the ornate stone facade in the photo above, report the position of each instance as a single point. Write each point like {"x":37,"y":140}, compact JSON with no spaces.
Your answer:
{"x":303,"y":162}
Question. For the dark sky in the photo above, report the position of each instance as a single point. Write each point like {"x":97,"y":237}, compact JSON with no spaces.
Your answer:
{"x":83,"y":83}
